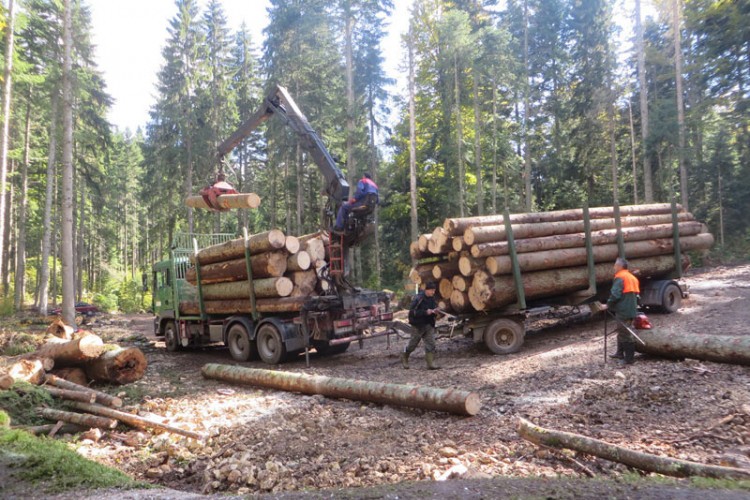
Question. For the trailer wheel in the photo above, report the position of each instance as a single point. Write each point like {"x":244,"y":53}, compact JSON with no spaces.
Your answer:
{"x":504,"y":336}
{"x":171,"y":338}
{"x":671,"y":298}
{"x":240,"y":346}
{"x":271,"y":348}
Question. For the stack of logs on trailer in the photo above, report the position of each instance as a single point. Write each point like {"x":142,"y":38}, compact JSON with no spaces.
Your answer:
{"x":285,"y":271}
{"x":470,"y":257}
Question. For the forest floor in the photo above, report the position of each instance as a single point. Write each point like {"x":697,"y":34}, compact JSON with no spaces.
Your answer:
{"x":283,"y":444}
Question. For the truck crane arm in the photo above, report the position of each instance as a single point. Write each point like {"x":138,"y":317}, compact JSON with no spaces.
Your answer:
{"x":281,"y":104}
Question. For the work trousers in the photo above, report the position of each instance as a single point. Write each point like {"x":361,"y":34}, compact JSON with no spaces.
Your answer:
{"x":426,"y":332}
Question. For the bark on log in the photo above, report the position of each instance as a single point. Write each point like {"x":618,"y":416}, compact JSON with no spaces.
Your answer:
{"x":234,"y":249}
{"x":456,"y":226}
{"x":47,"y":363}
{"x":101,"y":397}
{"x":428,"y":398}
{"x":44,"y":429}
{"x":469,"y":265}
{"x":135,"y":420}
{"x":310,"y":236}
{"x":264,"y":288}
{"x":291,"y":244}
{"x":460,"y":302}
{"x":444,"y":270}
{"x":484,"y":234}
{"x":644,"y":461}
{"x":569,"y":257}
{"x":226,"y":201}
{"x":603,"y":237}
{"x":71,"y":352}
{"x":265,"y":265}
{"x":299,"y":261}
{"x":78,"y":418}
{"x":69,"y":395}
{"x":285,"y":304}
{"x":445,"y":288}
{"x":72,"y":374}
{"x":121,"y":366}
{"x":461,"y":283}
{"x":706,"y":347}
{"x":488,"y":292}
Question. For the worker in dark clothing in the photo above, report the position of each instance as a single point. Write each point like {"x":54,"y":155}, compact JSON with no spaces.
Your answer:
{"x":623,"y":302}
{"x":422,"y":319}
{"x":366,"y":194}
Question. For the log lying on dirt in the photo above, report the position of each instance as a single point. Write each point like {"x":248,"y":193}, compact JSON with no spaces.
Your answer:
{"x":264,"y":288}
{"x":101,"y":397}
{"x":284,"y":304}
{"x":427,"y":398}
{"x":644,"y":461}
{"x":78,"y":418}
{"x":226,"y":201}
{"x":71,"y":374}
{"x":69,"y":395}
{"x":118,"y":366}
{"x":268,"y":241}
{"x":72,"y":352}
{"x":46,"y":428}
{"x":135,"y":420}
{"x":265,"y":265}
{"x":707,"y":347}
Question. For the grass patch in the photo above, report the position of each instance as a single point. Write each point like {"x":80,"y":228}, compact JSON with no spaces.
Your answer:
{"x":21,"y":401}
{"x":704,"y":483}
{"x":44,"y":460}
{"x":19,"y":343}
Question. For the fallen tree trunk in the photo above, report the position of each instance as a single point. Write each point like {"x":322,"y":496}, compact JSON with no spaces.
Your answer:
{"x":78,"y":418}
{"x":101,"y":397}
{"x":455,"y":226}
{"x":284,"y":304}
{"x":707,"y":347}
{"x":602,"y":237}
{"x":488,"y":292}
{"x":46,"y":428}
{"x":70,"y":395}
{"x":484,"y":234}
{"x":47,"y":363}
{"x":570,"y":257}
{"x":264,"y":288}
{"x":71,"y":374}
{"x":234,"y":249}
{"x":71,"y":352}
{"x":118,"y":366}
{"x":226,"y":201}
{"x":644,"y":461}
{"x":427,"y":398}
{"x":135,"y":420}
{"x":265,"y":265}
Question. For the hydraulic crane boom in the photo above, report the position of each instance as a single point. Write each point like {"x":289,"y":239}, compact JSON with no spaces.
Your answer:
{"x":281,"y":104}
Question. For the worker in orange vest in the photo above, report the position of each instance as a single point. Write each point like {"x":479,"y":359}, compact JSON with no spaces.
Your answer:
{"x":623,"y":302}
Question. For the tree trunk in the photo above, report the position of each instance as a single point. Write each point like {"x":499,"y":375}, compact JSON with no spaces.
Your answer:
{"x":427,"y":398}
{"x":226,"y":201}
{"x":69,"y":395}
{"x":457,"y":226}
{"x":413,"y":195}
{"x":574,"y":240}
{"x":316,"y":249}
{"x":676,"y":18}
{"x":266,"y":265}
{"x":81,"y":419}
{"x":26,"y":370}
{"x":119,"y":366}
{"x":264,"y":288}
{"x":488,"y":293}
{"x":134,"y":420}
{"x":72,"y":352}
{"x":4,"y":140}
{"x":644,"y":461}
{"x":68,"y":256}
{"x":485,"y":234}
{"x":648,"y":186}
{"x":477,"y":144}
{"x":299,"y":261}
{"x":20,"y":281}
{"x":234,"y":249}
{"x":44,"y":429}
{"x":48,"y":228}
{"x":552,"y":259}
{"x":72,"y":374}
{"x":706,"y":347}
{"x":101,"y":397}
{"x":285,"y":304}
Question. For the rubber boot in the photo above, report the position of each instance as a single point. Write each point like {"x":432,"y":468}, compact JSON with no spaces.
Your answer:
{"x":405,"y":359}
{"x":430,"y":358}
{"x":629,"y":353}
{"x":618,"y":353}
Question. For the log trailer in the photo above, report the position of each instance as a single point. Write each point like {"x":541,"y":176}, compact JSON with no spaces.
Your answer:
{"x":328,"y":322}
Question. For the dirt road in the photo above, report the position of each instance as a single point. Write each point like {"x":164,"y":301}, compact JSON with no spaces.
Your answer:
{"x":269,"y":441}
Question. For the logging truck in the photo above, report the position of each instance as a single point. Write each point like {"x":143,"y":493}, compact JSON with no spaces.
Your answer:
{"x":494,"y":272}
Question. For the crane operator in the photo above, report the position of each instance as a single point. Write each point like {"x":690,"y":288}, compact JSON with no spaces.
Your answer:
{"x":366,"y":194}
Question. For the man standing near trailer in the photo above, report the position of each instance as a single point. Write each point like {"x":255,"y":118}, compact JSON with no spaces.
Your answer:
{"x":623,"y":301}
{"x":422,"y":319}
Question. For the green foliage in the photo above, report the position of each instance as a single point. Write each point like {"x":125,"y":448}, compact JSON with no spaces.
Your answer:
{"x":6,"y":306}
{"x":22,"y":400}
{"x":19,"y":344}
{"x":54,"y":465}
{"x":4,"y":419}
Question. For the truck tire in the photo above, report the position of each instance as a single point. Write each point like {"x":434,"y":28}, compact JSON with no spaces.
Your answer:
{"x":171,"y":337}
{"x":271,"y":348}
{"x":240,"y":346}
{"x":504,"y":336}
{"x":671,"y":298}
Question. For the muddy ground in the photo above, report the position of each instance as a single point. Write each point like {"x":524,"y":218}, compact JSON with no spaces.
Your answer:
{"x":265,"y":441}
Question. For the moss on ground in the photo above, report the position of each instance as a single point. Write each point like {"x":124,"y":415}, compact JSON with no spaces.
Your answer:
{"x":21,"y":401}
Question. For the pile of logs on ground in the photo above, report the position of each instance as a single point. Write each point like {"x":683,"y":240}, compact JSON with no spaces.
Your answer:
{"x":81,"y":358}
{"x":285,"y":271}
{"x":470,"y":257}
